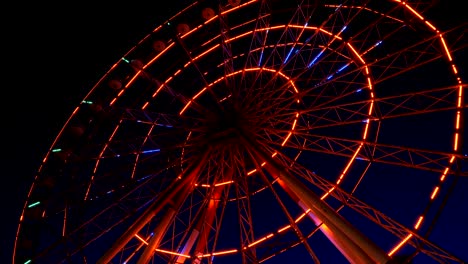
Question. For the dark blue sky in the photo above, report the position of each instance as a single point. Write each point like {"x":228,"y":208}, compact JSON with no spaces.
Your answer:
{"x":54,"y":54}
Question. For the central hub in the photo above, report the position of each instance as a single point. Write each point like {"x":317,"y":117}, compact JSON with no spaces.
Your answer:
{"x":227,"y":120}
{"x":224,"y":124}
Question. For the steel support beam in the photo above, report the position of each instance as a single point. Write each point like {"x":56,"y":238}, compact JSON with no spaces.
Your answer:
{"x":188,"y":177}
{"x":349,"y":241}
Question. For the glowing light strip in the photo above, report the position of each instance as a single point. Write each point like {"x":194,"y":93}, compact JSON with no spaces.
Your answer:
{"x":136,"y":250}
{"x":457,"y":123}
{"x":302,"y":216}
{"x":171,"y":253}
{"x":220,"y":253}
{"x":260,"y":240}
{"x":77,"y":108}
{"x":434,"y":193}
{"x":99,"y":159}
{"x":366,"y":127}
{"x":367,"y":9}
{"x":228,"y":41}
{"x":284,"y":228}
{"x":448,"y":55}
{"x":138,"y":72}
{"x":215,"y":185}
{"x":33,"y":204}
{"x":162,"y":250}
{"x":447,"y":52}
{"x":158,"y":55}
{"x":395,"y":249}
{"x":416,"y":226}
{"x":413,"y":11}
{"x":231,"y":74}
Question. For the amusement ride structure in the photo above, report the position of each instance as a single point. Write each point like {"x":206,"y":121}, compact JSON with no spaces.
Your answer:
{"x":261,"y":131}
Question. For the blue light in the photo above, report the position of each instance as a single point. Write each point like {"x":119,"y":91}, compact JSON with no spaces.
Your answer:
{"x":143,"y":178}
{"x":261,"y":54}
{"x":342,"y":68}
{"x":289,"y":54}
{"x":151,"y":151}
{"x":261,"y":57}
{"x":316,"y":57}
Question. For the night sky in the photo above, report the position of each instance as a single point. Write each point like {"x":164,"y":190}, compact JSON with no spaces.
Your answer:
{"x":52,"y":55}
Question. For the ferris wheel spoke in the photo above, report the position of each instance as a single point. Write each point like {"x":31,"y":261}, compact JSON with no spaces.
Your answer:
{"x":93,"y":227}
{"x":311,"y":203}
{"x":202,"y":205}
{"x":258,"y":36}
{"x":226,"y":47}
{"x":203,"y":226}
{"x":387,"y":223}
{"x":396,"y":63}
{"x":247,"y":234}
{"x":337,"y":22}
{"x":201,"y":75}
{"x":291,"y":221}
{"x":292,"y":36}
{"x":162,"y":226}
{"x":150,"y":117}
{"x":185,"y":185}
{"x":425,"y":102}
{"x":375,"y":152}
{"x":133,"y":193}
{"x":287,"y":45}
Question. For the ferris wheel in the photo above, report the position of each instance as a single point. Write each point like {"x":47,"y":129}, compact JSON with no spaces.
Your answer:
{"x":261,"y":132}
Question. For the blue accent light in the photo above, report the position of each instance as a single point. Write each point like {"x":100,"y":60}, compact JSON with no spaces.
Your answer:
{"x":151,"y":151}
{"x":289,"y":54}
{"x":315,"y":59}
{"x":342,"y":68}
{"x":261,"y":57}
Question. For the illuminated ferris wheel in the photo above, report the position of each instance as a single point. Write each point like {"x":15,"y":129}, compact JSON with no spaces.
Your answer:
{"x":261,"y":131}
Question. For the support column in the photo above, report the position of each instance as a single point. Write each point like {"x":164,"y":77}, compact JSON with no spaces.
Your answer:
{"x":349,"y":241}
{"x":187,"y":178}
{"x":201,"y":229}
